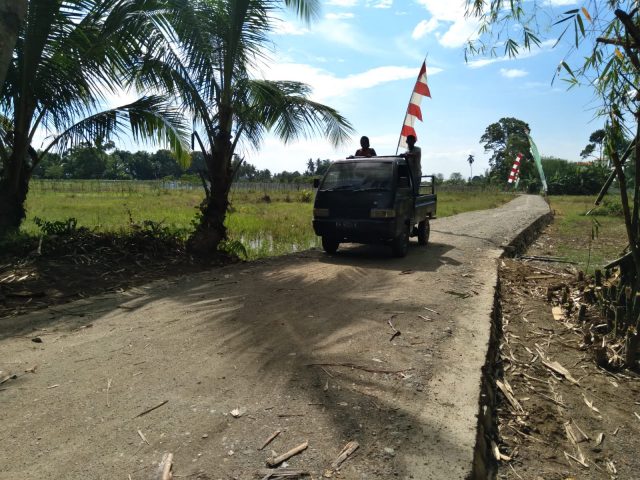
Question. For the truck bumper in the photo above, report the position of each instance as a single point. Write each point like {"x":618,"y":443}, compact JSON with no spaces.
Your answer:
{"x":356,"y":230}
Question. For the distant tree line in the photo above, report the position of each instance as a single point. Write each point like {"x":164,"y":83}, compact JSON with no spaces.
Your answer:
{"x":508,"y":137}
{"x":104,"y":161}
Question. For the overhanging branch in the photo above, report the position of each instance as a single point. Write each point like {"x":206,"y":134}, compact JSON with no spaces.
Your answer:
{"x":631,"y":27}
{"x":615,"y":41}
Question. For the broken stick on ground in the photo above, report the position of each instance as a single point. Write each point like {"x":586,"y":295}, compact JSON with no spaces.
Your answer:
{"x":346,"y":452}
{"x":152,"y":409}
{"x":270,"y":439}
{"x":395,"y":332}
{"x":273,"y":462}
{"x":164,"y":468}
{"x":143,"y":437}
{"x":284,"y":473}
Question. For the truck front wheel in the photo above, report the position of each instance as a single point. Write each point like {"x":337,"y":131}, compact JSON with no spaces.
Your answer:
{"x":423,"y":232}
{"x":400,"y":245}
{"x":330,"y":245}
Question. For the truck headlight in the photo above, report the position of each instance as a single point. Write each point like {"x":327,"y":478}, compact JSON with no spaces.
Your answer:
{"x":320,"y":212}
{"x":382,"y":213}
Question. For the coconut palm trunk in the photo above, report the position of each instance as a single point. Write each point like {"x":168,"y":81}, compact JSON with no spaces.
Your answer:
{"x":13,"y":195}
{"x":14,"y":182}
{"x":211,"y":229}
{"x":219,"y":40}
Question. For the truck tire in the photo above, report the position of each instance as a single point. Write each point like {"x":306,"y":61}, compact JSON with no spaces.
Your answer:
{"x":400,"y":245}
{"x":330,"y":245}
{"x":423,"y":232}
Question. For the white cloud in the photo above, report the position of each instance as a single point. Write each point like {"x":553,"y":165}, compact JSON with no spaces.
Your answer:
{"x":424,"y":27}
{"x":539,"y":86}
{"x":326,"y":85}
{"x":345,"y":34}
{"x":460,"y":28}
{"x":513,"y":72}
{"x":283,"y":27}
{"x":338,"y":16}
{"x":451,"y":11}
{"x":380,"y":4}
{"x":459,"y":33}
{"x":483,"y":62}
{"x":342,"y":3}
{"x":559,"y":3}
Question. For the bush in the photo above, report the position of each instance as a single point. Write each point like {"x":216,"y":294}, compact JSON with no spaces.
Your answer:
{"x":611,"y":207}
{"x":56,"y":227}
{"x":235,"y":248}
{"x":578,"y":180}
{"x":305,"y":196}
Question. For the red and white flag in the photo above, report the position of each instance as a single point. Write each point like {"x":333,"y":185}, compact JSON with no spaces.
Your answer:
{"x":515,"y":170}
{"x":413,"y":110}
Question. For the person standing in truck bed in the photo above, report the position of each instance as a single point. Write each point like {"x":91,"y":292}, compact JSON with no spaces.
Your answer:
{"x":414,"y":158}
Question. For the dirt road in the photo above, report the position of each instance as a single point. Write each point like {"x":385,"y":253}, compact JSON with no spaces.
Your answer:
{"x":303,"y":344}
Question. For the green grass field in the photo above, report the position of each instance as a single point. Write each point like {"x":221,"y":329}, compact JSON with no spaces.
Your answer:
{"x":279,"y":226}
{"x":590,"y":240}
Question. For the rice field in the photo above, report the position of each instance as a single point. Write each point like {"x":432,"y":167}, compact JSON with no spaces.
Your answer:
{"x":266,"y":221}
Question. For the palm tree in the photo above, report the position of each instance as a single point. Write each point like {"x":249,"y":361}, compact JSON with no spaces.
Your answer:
{"x":12,"y":13}
{"x":69,"y":55}
{"x":216,"y":42}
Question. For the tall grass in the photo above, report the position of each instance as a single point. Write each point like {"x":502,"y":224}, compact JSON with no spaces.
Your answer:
{"x":267,"y":223}
{"x":112,"y":212}
{"x":591,"y":240}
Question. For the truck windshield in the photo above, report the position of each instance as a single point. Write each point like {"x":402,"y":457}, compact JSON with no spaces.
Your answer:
{"x":358,"y":175}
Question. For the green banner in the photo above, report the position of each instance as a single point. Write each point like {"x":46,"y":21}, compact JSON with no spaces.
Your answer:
{"x":536,"y":158}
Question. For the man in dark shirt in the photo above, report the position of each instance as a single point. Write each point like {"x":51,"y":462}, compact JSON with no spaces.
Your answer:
{"x":414,"y":157}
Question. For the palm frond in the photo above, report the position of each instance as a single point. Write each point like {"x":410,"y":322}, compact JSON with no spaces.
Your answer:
{"x":149,"y":118}
{"x":284,"y":107}
{"x":5,"y":141}
{"x":307,"y":10}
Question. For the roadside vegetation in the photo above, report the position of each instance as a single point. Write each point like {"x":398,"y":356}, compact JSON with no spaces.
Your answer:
{"x":266,"y":223}
{"x":603,"y":52}
{"x":194,"y":56}
{"x":590,"y":240}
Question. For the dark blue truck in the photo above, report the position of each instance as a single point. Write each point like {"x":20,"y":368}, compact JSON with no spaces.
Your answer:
{"x":373,"y":200}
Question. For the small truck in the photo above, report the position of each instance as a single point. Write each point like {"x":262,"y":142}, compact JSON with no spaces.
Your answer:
{"x":373,"y":200}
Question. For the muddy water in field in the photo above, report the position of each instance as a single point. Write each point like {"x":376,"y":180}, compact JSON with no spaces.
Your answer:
{"x":266,"y":245}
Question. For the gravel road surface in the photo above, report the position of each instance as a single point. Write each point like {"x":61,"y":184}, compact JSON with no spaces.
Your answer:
{"x":357,"y":346}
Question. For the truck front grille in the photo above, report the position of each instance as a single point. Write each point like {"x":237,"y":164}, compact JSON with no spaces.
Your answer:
{"x":354,"y":212}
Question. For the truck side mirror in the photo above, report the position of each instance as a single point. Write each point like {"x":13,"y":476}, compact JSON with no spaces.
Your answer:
{"x":316,"y":182}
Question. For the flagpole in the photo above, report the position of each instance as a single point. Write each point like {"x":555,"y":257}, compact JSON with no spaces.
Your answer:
{"x":405,"y":117}
{"x":408,"y":104}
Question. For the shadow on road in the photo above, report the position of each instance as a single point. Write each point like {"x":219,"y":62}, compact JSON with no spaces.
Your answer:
{"x":276,"y":321}
{"x":420,"y":258}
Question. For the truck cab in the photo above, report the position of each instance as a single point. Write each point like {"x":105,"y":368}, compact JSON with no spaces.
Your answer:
{"x":373,"y":200}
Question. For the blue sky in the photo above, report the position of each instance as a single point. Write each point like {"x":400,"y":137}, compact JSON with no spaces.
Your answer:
{"x":363,"y":56}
